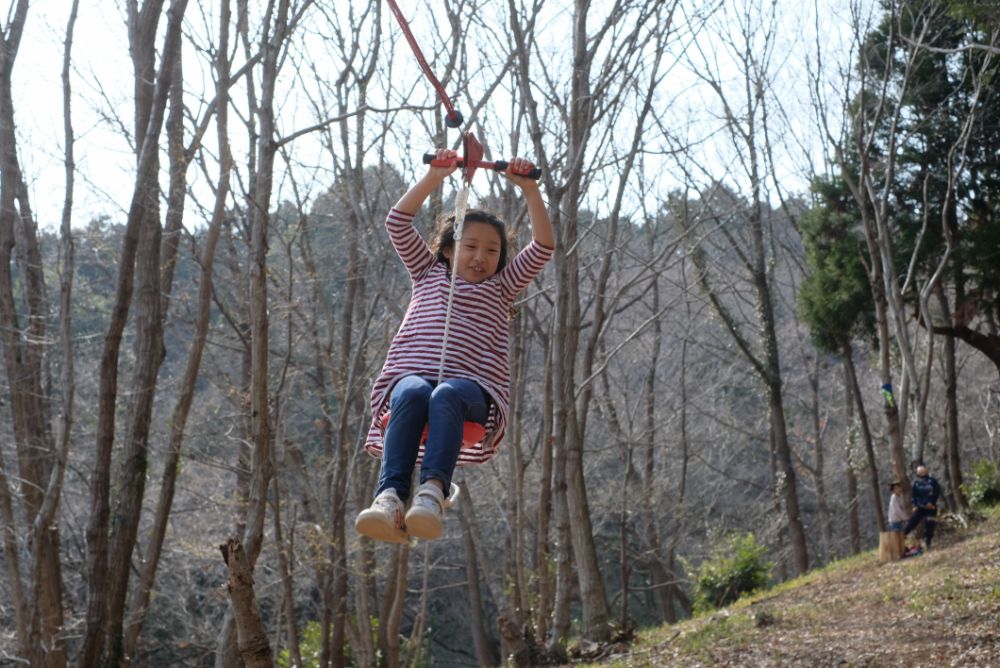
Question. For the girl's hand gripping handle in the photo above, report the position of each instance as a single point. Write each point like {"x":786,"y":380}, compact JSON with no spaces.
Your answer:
{"x":499,"y":166}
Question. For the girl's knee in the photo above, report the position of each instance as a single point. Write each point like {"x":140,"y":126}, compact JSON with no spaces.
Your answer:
{"x":411,"y":390}
{"x":463,"y":395}
{"x":444,"y":391}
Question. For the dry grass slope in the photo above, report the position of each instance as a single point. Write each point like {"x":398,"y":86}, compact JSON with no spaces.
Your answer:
{"x":939,"y":609}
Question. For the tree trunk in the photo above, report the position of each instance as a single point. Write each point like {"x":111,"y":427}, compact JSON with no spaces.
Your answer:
{"x":787,"y":486}
{"x":678,"y":597}
{"x":100,"y":594}
{"x":254,"y":648}
{"x":564,"y":555}
{"x":951,"y":447}
{"x":148,"y":301}
{"x":624,"y":557}
{"x":39,"y":611}
{"x":819,"y":470}
{"x":485,"y":655}
{"x":261,"y":466}
{"x":651,"y":532}
{"x":286,"y":554}
{"x":131,"y":483}
{"x":852,"y":391}
{"x":584,"y":109}
{"x":392,"y":606}
{"x":346,"y":393}
{"x":335,"y":481}
{"x":882,"y":279}
{"x":515,"y":568}
{"x":366,"y":599}
{"x":592,"y":595}
{"x":13,"y":563}
{"x":546,"y":581}
{"x":771,"y":364}
{"x":889,"y":405}
{"x":853,"y":501}
{"x":178,"y":421}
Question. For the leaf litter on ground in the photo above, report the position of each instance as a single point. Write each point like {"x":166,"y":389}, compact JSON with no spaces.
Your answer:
{"x":941,"y":608}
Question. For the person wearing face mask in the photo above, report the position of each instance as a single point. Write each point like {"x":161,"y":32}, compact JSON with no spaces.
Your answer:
{"x":925,"y":492}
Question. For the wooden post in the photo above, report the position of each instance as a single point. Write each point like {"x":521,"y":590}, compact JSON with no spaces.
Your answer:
{"x":890,"y":546}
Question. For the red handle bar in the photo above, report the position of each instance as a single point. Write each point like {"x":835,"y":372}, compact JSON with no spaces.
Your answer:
{"x":497,"y":166}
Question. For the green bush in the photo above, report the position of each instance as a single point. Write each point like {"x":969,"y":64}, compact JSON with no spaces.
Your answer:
{"x":309,"y":647}
{"x":984,"y":487}
{"x":737,"y":567}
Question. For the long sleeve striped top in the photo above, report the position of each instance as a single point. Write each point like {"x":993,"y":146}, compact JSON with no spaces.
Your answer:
{"x":478,"y":332}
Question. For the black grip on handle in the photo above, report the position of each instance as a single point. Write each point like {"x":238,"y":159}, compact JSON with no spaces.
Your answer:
{"x":502,"y":165}
{"x":430,"y":157}
{"x":499,"y":166}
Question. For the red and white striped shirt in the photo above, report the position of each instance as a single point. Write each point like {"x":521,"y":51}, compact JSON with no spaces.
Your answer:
{"x":478,"y":332}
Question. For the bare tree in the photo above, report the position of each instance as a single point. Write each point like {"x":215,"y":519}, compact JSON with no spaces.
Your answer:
{"x":855,"y":401}
{"x":751,"y":47}
{"x":39,"y":608}
{"x":601,"y":81}
{"x":108,"y":569}
{"x":179,"y":418}
{"x":276,"y":26}
{"x":869,"y":164}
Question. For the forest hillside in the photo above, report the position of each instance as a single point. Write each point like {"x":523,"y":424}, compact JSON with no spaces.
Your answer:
{"x":937,"y":609}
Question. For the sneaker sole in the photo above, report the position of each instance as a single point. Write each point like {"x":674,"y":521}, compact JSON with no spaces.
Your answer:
{"x":425,"y":525}
{"x":374,"y":527}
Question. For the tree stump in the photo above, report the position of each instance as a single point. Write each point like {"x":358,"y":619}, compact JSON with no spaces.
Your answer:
{"x":890,"y":546}
{"x":516,"y":651}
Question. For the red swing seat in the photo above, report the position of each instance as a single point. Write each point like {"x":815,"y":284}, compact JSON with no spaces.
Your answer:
{"x":472,"y":432}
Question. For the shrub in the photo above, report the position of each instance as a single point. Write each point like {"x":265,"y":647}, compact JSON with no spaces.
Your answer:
{"x":737,"y":567}
{"x":309,"y":647}
{"x":984,"y":487}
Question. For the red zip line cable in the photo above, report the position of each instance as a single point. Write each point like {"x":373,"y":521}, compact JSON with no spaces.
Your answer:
{"x":472,"y":150}
{"x":453,"y":119}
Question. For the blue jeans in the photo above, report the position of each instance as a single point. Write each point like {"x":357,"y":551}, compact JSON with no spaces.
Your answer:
{"x":927,"y":515}
{"x":896,"y":526}
{"x":416,"y":401}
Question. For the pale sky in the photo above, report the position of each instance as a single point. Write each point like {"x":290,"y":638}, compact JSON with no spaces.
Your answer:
{"x":101,"y":80}
{"x":100,"y":56}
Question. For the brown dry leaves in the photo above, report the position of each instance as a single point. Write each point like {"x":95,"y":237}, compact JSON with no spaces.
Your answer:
{"x":939,"y":609}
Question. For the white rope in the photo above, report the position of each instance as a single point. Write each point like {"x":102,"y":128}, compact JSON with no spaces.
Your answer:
{"x":461,"y":204}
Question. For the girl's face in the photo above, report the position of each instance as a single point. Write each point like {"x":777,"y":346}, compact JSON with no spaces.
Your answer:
{"x":479,"y":252}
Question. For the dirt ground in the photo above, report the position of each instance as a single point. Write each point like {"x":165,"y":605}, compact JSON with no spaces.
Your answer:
{"x":938,"y":609}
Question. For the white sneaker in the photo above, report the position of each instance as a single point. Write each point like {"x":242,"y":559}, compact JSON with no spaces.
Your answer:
{"x":424,"y":519}
{"x":384,"y":519}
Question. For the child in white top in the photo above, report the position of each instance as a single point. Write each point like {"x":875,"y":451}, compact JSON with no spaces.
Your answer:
{"x":897,"y":514}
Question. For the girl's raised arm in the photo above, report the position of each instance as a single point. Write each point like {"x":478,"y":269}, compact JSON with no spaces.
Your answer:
{"x":541,"y":228}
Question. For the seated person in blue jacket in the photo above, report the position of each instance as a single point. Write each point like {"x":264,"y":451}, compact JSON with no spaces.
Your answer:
{"x":925,"y":490}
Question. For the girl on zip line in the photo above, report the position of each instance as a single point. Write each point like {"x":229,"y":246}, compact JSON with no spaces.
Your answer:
{"x":461,"y":338}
